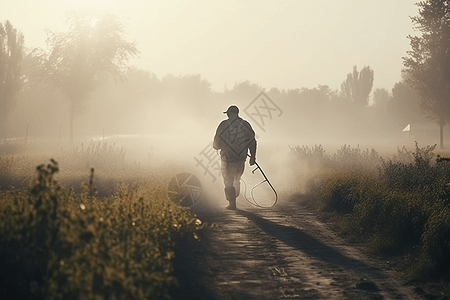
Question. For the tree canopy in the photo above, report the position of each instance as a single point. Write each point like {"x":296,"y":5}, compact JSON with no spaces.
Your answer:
{"x":358,"y":85}
{"x":428,"y":61}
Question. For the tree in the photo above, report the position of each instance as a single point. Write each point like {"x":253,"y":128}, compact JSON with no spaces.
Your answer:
{"x":380,"y":110}
{"x":243,"y":91}
{"x":381,"y":99}
{"x":77,"y":60}
{"x":405,"y":105}
{"x":11,"y":54}
{"x":357,"y":86}
{"x":428,"y":61}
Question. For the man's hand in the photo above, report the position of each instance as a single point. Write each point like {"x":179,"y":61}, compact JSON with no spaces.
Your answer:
{"x":252,"y":160}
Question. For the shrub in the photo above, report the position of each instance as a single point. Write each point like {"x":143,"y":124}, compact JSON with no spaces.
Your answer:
{"x":338,"y":192}
{"x":401,"y":208}
{"x":436,"y":241}
{"x":315,"y":157}
{"x":417,"y":175}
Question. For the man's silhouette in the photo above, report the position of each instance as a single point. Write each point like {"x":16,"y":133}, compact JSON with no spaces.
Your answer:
{"x":234,"y":137}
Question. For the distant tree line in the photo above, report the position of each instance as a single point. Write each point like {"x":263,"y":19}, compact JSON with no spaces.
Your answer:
{"x":146,"y":103}
{"x":85,"y":74}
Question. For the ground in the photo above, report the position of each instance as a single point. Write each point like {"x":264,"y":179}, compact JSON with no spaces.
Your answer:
{"x":284,"y":252}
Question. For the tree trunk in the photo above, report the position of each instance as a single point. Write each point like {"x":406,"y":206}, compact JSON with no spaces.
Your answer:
{"x":441,"y":135}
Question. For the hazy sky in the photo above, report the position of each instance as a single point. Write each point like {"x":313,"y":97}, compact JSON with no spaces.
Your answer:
{"x":284,"y":44}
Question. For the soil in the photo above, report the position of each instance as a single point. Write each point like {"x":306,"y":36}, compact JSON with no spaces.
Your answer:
{"x":284,"y":252}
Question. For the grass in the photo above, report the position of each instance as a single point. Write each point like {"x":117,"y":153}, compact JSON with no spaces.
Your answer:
{"x":398,"y":206}
{"x":91,"y":242}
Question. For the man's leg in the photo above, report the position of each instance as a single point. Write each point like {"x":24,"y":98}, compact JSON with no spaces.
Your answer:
{"x":230,"y":194}
{"x":238,"y":171}
{"x":228,"y":179}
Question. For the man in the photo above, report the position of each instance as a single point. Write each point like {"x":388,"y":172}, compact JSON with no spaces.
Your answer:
{"x":234,"y":137}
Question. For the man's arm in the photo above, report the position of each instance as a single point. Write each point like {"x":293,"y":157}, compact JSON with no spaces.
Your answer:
{"x":252,"y":146}
{"x":252,"y":149}
{"x":217,"y":143}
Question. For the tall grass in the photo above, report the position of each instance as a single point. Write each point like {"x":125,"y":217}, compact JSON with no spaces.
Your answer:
{"x":63,"y":243}
{"x":17,"y":170}
{"x":398,"y":205}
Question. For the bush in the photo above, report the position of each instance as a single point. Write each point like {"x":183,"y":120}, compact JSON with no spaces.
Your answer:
{"x":420,"y":174}
{"x":436,"y":241}
{"x":338,"y":192}
{"x":398,"y":206}
{"x":345,"y":158}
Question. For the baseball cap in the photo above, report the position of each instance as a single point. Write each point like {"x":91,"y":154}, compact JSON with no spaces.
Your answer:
{"x":232,"y":109}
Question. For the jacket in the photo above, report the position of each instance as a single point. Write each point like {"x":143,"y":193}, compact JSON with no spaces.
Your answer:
{"x":234,"y":137}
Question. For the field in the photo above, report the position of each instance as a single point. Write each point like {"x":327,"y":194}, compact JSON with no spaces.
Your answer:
{"x":76,"y":232}
{"x":86,"y":222}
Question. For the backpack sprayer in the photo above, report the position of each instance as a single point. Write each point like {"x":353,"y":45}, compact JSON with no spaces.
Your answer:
{"x":253,"y":201}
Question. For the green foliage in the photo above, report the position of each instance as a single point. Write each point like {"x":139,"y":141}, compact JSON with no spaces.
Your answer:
{"x":58,"y":244}
{"x":400,"y":209}
{"x":436,"y":240}
{"x":339,"y":192}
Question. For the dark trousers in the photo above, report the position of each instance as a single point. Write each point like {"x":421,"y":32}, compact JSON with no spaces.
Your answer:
{"x":231,"y":173}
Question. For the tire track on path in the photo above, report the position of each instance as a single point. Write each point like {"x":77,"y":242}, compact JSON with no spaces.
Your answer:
{"x":284,"y":253}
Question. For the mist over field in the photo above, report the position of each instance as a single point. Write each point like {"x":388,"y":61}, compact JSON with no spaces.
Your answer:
{"x":170,"y":122}
{"x":173,"y":120}
{"x":182,"y":113}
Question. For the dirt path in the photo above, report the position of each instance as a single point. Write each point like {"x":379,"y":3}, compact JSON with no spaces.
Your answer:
{"x":281,"y":253}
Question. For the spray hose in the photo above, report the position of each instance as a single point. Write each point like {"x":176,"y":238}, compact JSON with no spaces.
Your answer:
{"x":253,"y":201}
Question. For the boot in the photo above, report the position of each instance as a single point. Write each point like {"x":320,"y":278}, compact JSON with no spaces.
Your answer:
{"x":230,"y":194}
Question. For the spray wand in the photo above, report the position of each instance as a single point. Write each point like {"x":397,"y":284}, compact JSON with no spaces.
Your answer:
{"x":253,"y":201}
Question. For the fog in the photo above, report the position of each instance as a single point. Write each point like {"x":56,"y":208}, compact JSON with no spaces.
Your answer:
{"x":186,"y":111}
{"x":170,"y":122}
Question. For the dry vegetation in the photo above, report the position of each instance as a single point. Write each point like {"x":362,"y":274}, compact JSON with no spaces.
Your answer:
{"x":114,"y":235}
{"x":398,"y":206}
{"x":69,"y":231}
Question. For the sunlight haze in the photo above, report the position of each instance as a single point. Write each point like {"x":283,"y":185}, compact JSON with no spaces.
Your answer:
{"x":283,"y":44}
